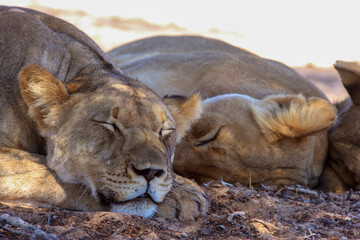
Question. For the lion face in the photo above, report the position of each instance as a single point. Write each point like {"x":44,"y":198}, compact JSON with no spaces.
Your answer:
{"x":117,"y":140}
{"x":243,"y":139}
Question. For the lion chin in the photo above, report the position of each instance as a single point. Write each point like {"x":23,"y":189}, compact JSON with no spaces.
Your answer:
{"x":139,"y":206}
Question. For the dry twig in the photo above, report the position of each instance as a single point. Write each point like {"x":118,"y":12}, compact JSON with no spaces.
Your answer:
{"x":209,"y":183}
{"x":232,"y":215}
{"x":354,"y":217}
{"x":16,"y":232}
{"x":302,"y":190}
{"x":225,"y":184}
{"x":250,"y":186}
{"x":285,"y":219}
{"x":18,"y":222}
{"x":266,"y":224}
{"x":279,"y":191}
{"x":265,"y":187}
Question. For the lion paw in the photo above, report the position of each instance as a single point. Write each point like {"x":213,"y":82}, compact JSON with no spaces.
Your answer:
{"x":186,"y":201}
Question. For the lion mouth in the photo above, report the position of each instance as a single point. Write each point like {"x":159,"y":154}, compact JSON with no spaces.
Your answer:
{"x":142,"y":205}
{"x":110,"y":201}
{"x":144,"y":195}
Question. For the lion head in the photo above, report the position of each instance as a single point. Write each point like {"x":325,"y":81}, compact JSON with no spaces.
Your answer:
{"x":271,"y":128}
{"x":277,"y":140}
{"x":115,"y":137}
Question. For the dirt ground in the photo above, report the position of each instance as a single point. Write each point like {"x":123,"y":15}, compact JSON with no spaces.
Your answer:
{"x":237,"y":211}
{"x":267,"y":212}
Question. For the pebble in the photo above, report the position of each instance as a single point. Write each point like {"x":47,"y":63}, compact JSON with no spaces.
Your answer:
{"x":302,"y":227}
{"x":184,"y":235}
{"x":331,"y":205}
{"x":222,"y":227}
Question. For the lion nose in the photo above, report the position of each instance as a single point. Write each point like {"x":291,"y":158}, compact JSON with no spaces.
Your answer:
{"x":148,"y":173}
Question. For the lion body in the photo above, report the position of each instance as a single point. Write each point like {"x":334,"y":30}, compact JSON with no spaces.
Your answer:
{"x":342,"y":170}
{"x":76,"y":133}
{"x":261,"y":121}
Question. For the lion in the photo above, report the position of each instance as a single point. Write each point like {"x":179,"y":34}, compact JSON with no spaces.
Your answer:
{"x":342,"y":170}
{"x":261,"y":121}
{"x":76,"y":133}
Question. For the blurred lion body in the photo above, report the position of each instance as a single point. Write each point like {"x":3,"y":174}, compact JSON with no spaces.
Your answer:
{"x":342,"y":171}
{"x":261,"y":121}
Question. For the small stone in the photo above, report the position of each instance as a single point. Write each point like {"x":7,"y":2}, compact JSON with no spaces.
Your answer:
{"x":222,"y":227}
{"x":331,"y":205}
{"x":302,"y":227}
{"x":184,"y":235}
{"x":343,"y":238}
{"x":231,"y":216}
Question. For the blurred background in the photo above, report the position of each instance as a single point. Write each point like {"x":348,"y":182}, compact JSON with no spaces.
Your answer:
{"x":308,"y":35}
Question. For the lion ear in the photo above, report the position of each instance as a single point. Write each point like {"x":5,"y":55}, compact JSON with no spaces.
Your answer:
{"x":350,"y":76}
{"x":43,"y":93}
{"x":184,"y":110}
{"x":292,"y":116}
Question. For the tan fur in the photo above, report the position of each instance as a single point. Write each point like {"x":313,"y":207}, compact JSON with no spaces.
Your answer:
{"x":343,"y":168}
{"x":35,"y":84}
{"x":260,"y":121}
{"x":299,"y":118}
{"x":77,"y":134}
{"x":183,"y":110}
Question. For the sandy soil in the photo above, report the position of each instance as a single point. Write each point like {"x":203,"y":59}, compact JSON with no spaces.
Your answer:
{"x":267,"y":212}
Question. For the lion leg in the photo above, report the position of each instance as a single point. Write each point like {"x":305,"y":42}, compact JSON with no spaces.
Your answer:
{"x":186,"y":201}
{"x":25,"y":178}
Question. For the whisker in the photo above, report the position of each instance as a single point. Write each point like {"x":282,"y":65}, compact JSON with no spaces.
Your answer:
{"x":103,"y":187}
{"x":82,"y":194}
{"x":175,"y":192}
{"x":99,"y":180}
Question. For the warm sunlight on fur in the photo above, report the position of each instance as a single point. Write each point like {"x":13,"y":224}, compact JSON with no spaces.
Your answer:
{"x":43,"y":93}
{"x":76,"y":133}
{"x":259,"y":118}
{"x":189,"y":109}
{"x":293,"y":116}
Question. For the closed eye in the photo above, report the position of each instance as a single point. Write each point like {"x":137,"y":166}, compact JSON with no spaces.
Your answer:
{"x":165,"y":131}
{"x":209,"y":137}
{"x":113,"y":127}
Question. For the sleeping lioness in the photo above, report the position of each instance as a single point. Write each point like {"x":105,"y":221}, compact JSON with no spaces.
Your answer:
{"x":261,"y":121}
{"x":78,"y":134}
